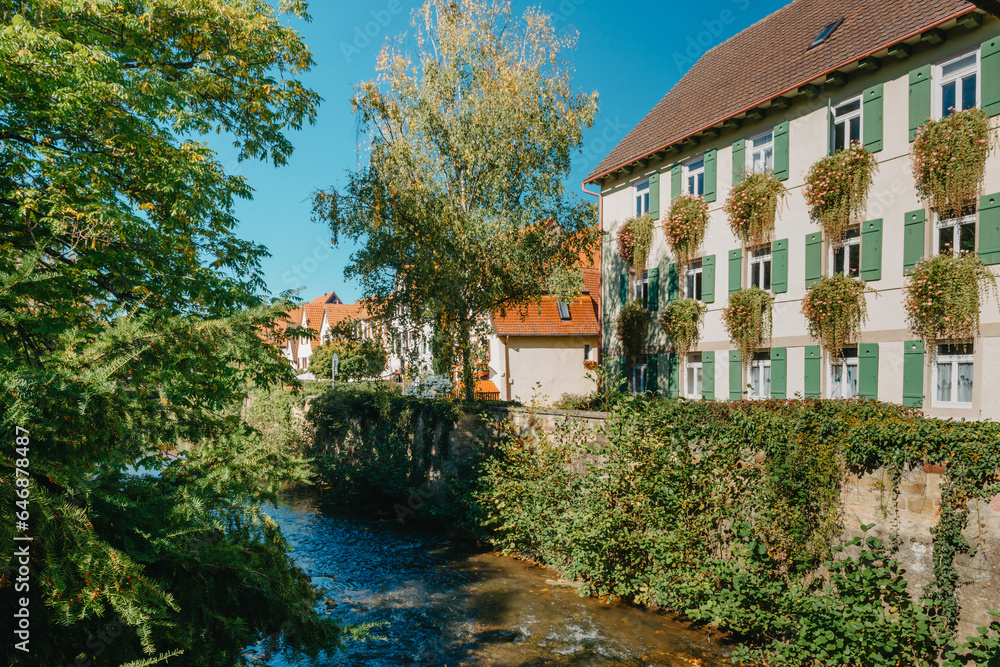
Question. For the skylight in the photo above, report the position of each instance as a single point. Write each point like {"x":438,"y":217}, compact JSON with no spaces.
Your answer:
{"x":825,"y":34}
{"x":563,"y":310}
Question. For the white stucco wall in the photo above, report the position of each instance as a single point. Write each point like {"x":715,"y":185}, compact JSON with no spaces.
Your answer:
{"x":545,"y":367}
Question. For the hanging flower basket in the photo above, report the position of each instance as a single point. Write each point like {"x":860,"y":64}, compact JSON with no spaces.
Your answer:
{"x":943,"y":297}
{"x":837,"y":189}
{"x":681,"y":321}
{"x":635,"y":236}
{"x":684,"y":227}
{"x":949,"y":158}
{"x":752,"y":206}
{"x":631,"y":328}
{"x":835,"y":309}
{"x":747,"y":319}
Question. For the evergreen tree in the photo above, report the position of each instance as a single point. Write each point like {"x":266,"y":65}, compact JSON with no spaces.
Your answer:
{"x":131,"y":323}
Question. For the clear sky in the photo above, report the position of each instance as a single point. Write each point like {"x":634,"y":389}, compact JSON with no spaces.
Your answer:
{"x":630,"y":53}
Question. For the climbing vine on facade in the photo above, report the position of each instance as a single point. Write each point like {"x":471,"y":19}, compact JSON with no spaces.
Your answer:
{"x":747,"y":319}
{"x":752,"y":206}
{"x":684,"y":227}
{"x":943,"y":298}
{"x":631,"y":328}
{"x":949,"y":160}
{"x":837,"y":189}
{"x":681,"y":322}
{"x":835,"y":310}
{"x":635,"y":236}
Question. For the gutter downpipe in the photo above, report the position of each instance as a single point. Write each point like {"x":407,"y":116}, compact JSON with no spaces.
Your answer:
{"x":506,"y":366}
{"x":600,"y":268}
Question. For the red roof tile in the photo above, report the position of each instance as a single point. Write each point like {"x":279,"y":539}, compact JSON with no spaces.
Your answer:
{"x":544,"y":320}
{"x":769,"y":59}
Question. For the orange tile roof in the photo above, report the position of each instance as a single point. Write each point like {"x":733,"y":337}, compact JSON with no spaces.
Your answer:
{"x":544,"y":319}
{"x":770,"y":59}
{"x":340,"y":312}
{"x":328,"y":298}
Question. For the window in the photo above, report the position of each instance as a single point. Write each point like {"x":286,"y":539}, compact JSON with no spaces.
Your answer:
{"x":692,"y":382}
{"x":695,"y":177}
{"x":956,"y":235}
{"x":953,"y":376}
{"x":760,"y":152}
{"x":692,"y":282}
{"x":844,"y":375}
{"x":825,"y":33}
{"x":639,"y":378}
{"x":958,"y":84}
{"x":847,"y":124}
{"x":640,"y":289}
{"x":760,"y":268}
{"x":586,"y":353}
{"x":846,"y":259}
{"x":563,"y":310}
{"x":642,"y":198}
{"x":760,"y":375}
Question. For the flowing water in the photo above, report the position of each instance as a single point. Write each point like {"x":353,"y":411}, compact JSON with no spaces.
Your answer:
{"x":443,"y":603}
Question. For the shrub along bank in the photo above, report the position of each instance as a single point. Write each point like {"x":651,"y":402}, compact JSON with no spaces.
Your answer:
{"x":727,"y":512}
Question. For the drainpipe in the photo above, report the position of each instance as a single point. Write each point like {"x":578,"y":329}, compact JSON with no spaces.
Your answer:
{"x":600,"y":269}
{"x":506,"y":367}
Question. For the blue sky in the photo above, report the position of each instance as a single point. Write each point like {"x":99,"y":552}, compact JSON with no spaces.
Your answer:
{"x":631,"y":54}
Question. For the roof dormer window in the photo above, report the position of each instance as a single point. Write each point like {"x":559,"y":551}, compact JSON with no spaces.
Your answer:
{"x":563,"y":310}
{"x":826,"y":33}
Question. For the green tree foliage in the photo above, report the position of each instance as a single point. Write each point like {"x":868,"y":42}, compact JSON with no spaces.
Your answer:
{"x":358,"y":358}
{"x":461,"y":206}
{"x":131,"y":323}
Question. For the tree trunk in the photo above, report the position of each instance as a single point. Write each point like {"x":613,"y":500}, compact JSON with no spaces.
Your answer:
{"x":466,"y":345}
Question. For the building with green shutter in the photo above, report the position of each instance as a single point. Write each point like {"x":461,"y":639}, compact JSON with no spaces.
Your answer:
{"x":785,"y":92}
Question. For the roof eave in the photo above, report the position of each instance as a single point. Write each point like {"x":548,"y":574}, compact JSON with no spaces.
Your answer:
{"x":913,"y":33}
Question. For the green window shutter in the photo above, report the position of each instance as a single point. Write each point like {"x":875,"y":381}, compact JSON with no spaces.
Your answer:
{"x":920,"y":98}
{"x":711,"y":175}
{"x":779,"y":372}
{"x":654,"y":289}
{"x":913,"y":240}
{"x":989,"y":228}
{"x":989,"y":59}
{"x":913,"y":374}
{"x":779,"y":266}
{"x":868,"y":371}
{"x":708,"y":376}
{"x":673,"y":284}
{"x":814,"y":258}
{"x":814,"y":371}
{"x":623,"y":289}
{"x":708,"y":279}
{"x":652,"y":374}
{"x":735,"y":270}
{"x":871,"y":250}
{"x":654,"y":195}
{"x":735,"y":376}
{"x":781,"y":151}
{"x":739,"y":161}
{"x":675,"y":182}
{"x":673,"y":375}
{"x":871,"y":119}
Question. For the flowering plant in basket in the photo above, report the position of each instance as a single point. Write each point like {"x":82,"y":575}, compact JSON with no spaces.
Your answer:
{"x":835,"y":309}
{"x":747,"y":319}
{"x":949,"y":159}
{"x":684,"y":226}
{"x":680,"y":321}
{"x":635,"y":236}
{"x":837,"y":189}
{"x":752,"y":206}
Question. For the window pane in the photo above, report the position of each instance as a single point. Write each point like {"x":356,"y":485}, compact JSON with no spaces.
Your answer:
{"x":855,"y":130}
{"x":690,"y":288}
{"x":766,"y":374}
{"x":755,"y":275}
{"x":969,"y":92}
{"x":946,"y":240}
{"x":697,"y":286}
{"x":958,"y":65}
{"x":763,"y":140}
{"x":944,"y":382}
{"x":964,"y":383}
{"x":967,"y":241}
{"x":851,"y":385}
{"x":853,"y":105}
{"x":754,"y":380}
{"x":839,"y":137}
{"x":855,"y":265}
{"x":838,"y":261}
{"x":701,"y":184}
{"x":837,"y":384}
{"x":767,"y":276}
{"x":948,"y":98}
{"x":697,"y":381}
{"x":689,"y":385}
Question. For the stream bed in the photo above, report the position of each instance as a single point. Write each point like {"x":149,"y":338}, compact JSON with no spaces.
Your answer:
{"x":441,"y":602}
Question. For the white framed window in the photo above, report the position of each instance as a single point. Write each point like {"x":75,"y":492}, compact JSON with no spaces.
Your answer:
{"x":845,"y":255}
{"x":693,"y":280}
{"x":955,"y":235}
{"x":846,"y":119}
{"x":760,"y":152}
{"x":640,"y":289}
{"x":956,"y":84}
{"x":759,"y":375}
{"x":692,"y":375}
{"x":953,"y":376}
{"x":760,"y":268}
{"x":844,"y":374}
{"x":694,"y":177}
{"x":642,"y":198}
{"x":639,"y":378}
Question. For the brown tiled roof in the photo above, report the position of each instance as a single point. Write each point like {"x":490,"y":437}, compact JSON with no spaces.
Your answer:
{"x":533,"y":320}
{"x":769,"y":59}
{"x":339,"y":312}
